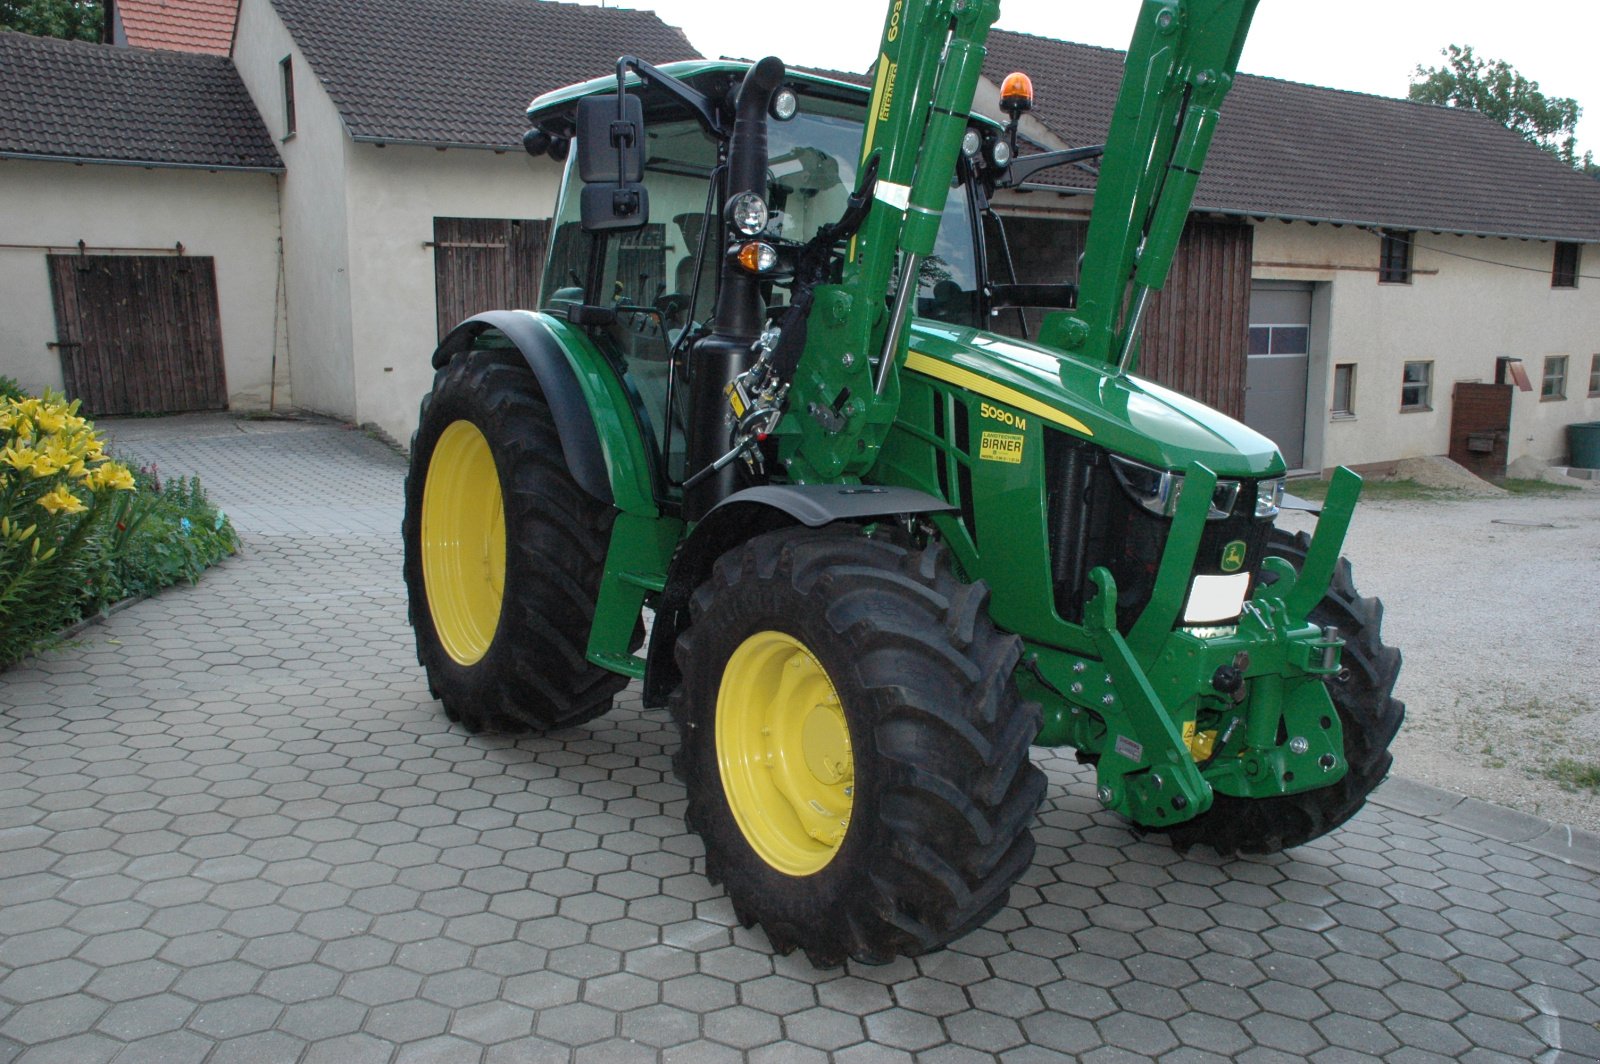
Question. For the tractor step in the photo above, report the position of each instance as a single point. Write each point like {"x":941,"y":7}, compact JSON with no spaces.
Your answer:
{"x":626,"y":664}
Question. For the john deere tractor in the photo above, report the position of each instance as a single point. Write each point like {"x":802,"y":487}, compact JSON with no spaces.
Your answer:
{"x":761,"y":450}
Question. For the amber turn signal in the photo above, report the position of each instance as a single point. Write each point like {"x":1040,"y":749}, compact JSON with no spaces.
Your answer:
{"x":757,"y":257}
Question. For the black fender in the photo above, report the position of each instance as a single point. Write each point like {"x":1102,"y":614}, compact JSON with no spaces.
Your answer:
{"x":743,"y":516}
{"x":580,"y":442}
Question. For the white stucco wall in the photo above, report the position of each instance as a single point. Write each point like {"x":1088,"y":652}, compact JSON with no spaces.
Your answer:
{"x":395,"y":193}
{"x":230,"y":216}
{"x":1470,"y":301}
{"x":315,"y":221}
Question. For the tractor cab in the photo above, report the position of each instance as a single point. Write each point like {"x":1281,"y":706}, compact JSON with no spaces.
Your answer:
{"x":652,"y":286}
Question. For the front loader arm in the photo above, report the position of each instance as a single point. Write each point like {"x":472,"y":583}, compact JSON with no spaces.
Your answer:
{"x":1181,"y":63}
{"x":845,"y":392}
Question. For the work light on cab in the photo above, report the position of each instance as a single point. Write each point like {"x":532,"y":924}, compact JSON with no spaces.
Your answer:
{"x":747,"y":213}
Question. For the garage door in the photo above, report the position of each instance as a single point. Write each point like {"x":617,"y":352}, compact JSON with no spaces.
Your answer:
{"x":1279,"y":358}
{"x":139,"y":334}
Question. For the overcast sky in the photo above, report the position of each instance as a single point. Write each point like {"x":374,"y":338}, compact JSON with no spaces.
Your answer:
{"x":1365,"y":45}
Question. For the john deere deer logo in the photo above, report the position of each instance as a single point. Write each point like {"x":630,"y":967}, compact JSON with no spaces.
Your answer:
{"x":1233,"y":556}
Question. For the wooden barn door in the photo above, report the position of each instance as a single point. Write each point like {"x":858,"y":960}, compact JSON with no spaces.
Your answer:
{"x":486,"y":264}
{"x":1195,"y":328}
{"x":139,"y":334}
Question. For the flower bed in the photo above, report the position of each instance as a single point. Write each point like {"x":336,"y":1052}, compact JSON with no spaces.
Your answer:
{"x":80,"y":530}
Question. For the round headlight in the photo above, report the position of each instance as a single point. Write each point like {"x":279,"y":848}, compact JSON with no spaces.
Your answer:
{"x":1000,"y":153}
{"x":747,"y":213}
{"x":784,"y":104}
{"x":971,"y":143}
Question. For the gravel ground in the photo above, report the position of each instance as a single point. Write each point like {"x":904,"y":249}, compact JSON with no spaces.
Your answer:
{"x":1495,"y":603}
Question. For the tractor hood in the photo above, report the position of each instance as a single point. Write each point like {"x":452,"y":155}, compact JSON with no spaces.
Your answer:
{"x":1125,"y":414}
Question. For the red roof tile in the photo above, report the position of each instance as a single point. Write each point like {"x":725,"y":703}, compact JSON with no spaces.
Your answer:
{"x":179,"y":25}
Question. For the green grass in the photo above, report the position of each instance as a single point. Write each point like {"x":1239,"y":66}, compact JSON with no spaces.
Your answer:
{"x":1574,"y":775}
{"x":1317,"y":490}
{"x":1410,"y":490}
{"x":1519,"y":486}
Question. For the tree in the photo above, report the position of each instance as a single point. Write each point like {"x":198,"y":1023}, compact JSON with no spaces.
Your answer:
{"x":73,"y":20}
{"x":1494,"y":87}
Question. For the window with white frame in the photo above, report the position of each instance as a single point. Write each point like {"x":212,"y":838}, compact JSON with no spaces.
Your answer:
{"x":1416,"y":386}
{"x":1554,"y":385}
{"x":1344,"y":390}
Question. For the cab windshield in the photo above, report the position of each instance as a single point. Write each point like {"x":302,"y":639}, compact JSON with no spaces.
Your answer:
{"x":648,"y":275}
{"x":811,"y":173}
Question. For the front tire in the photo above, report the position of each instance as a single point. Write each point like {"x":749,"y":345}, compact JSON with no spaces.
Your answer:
{"x":503,"y":554}
{"x":1369,"y":714}
{"x":854,"y":748}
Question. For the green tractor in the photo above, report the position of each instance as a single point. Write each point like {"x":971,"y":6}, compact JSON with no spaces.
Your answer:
{"x":761,"y":450}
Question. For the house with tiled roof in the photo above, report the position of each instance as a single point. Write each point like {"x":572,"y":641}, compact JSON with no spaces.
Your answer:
{"x":1354,"y":265}
{"x":140,"y":247}
{"x":1357,"y":273}
{"x":408,"y":201}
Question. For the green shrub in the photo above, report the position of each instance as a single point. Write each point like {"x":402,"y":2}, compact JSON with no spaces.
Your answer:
{"x":10,"y":389}
{"x":164,"y":532}
{"x":79,"y":530}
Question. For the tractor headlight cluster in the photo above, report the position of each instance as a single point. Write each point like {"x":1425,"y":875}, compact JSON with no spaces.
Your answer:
{"x":971,"y":143}
{"x":1269,"y":497}
{"x":756,"y":256}
{"x":747,"y":213}
{"x":1158,"y":490}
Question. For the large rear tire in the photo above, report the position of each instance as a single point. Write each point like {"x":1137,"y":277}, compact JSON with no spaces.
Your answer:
{"x":854,"y":747}
{"x":1369,"y":714}
{"x":503,"y":554}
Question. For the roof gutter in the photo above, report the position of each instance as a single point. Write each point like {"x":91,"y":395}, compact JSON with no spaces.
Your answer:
{"x":1232,"y":212}
{"x":142,"y":164}
{"x":410,"y":142}
{"x":1420,"y":228}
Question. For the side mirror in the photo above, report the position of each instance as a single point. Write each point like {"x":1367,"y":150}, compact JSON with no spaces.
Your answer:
{"x":611,"y":163}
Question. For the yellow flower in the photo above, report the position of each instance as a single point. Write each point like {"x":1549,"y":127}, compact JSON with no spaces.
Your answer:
{"x":112,"y":475}
{"x":52,"y":419}
{"x":18,"y":458}
{"x":44,"y":465}
{"x":62,"y":501}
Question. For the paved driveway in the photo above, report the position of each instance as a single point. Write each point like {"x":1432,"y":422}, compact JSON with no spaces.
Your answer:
{"x":234,"y":827}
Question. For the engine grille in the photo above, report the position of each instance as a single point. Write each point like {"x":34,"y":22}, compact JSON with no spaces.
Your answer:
{"x":1093,"y":522}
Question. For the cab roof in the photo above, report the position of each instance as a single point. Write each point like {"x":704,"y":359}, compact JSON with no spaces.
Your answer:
{"x":697,"y":72}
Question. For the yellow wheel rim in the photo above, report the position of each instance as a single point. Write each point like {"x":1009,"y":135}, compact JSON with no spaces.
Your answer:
{"x":783,"y":748}
{"x":463,"y":542}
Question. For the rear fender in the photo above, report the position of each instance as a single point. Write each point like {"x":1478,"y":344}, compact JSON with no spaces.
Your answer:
{"x":601,"y":439}
{"x":743,"y":516}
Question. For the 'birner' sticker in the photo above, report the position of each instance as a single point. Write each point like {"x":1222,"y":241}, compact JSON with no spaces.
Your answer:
{"x":1000,"y":447}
